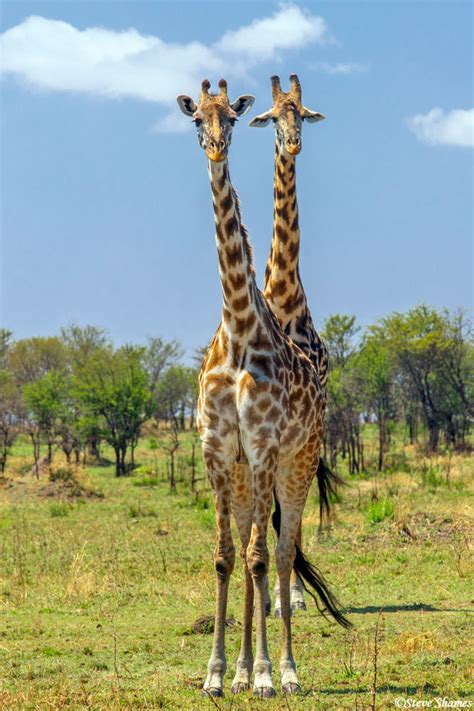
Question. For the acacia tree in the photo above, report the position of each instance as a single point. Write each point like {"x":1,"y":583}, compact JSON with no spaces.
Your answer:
{"x":176,"y":393}
{"x":11,"y":413}
{"x":113,"y":386}
{"x":457,"y":369}
{"x":419,"y":342}
{"x":82,"y":428}
{"x":344,"y":401}
{"x":32,"y":358}
{"x":339,"y":332}
{"x":375,"y":375}
{"x":72,"y":431}
{"x":45,"y":402}
{"x":158,"y":356}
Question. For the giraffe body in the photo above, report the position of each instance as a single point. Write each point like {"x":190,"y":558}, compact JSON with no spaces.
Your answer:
{"x":283,"y":288}
{"x":260,"y":418}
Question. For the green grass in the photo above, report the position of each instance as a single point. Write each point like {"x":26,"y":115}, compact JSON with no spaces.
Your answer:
{"x":97,"y":604}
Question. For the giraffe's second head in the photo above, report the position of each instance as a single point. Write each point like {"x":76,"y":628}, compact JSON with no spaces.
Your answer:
{"x":287,"y":114}
{"x":214,"y":117}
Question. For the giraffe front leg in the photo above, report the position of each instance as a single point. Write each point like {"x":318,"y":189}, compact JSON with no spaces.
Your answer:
{"x":257,"y":560}
{"x":243,"y":511}
{"x":243,"y":672}
{"x":224,"y":558}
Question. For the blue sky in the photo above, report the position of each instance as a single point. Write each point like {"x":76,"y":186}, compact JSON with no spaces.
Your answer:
{"x":106,"y":209}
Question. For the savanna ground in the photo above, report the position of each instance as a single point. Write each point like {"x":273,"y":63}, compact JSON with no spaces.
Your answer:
{"x":103,"y":580}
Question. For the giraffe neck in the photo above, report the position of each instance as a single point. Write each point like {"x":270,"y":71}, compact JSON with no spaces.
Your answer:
{"x":282,"y":286}
{"x":237,"y":275}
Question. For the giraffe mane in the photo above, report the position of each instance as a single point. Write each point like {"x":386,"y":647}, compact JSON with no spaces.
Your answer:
{"x":245,"y":236}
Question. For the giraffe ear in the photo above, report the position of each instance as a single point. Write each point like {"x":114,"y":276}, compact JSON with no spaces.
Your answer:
{"x":261,"y":121}
{"x":311,"y":116}
{"x":242,"y":104}
{"x":186,"y":104}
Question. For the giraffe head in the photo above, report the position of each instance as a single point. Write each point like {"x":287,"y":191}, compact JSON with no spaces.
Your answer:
{"x":214,"y":117}
{"x":287,"y":114}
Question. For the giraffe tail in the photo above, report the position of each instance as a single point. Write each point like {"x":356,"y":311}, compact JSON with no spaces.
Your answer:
{"x":312,"y":577}
{"x":328,"y":481}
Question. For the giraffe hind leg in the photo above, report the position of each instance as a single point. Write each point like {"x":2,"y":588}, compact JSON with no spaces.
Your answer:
{"x":257,"y":561}
{"x":297,"y":600}
{"x":296,"y":584}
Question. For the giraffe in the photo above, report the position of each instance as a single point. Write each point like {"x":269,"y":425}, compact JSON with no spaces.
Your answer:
{"x":283,"y":288}
{"x":260,"y":411}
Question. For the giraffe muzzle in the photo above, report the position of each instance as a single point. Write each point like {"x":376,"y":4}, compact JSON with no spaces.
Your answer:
{"x":293,"y":148}
{"x":216,"y":150}
{"x":216,"y":156}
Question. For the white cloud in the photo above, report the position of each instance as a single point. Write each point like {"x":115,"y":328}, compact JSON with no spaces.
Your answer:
{"x":289,"y":28}
{"x":52,"y":55}
{"x":437,"y":127}
{"x":55,"y":56}
{"x":340,"y":67}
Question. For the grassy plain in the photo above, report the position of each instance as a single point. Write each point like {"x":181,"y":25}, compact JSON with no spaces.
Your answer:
{"x":102,"y":579}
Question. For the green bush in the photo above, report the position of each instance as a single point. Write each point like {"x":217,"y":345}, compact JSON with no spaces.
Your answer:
{"x":380,"y":510}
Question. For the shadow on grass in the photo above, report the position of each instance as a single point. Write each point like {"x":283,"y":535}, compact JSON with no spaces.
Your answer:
{"x":384,"y":689}
{"x":415,"y":607}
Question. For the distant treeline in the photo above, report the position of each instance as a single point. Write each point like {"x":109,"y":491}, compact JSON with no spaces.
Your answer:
{"x":76,"y":390}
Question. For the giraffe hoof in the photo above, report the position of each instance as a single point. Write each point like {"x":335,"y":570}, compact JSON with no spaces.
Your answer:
{"x":212,"y":691}
{"x":239,"y":687}
{"x":264,"y":692}
{"x":298,"y":605}
{"x":291,"y":688}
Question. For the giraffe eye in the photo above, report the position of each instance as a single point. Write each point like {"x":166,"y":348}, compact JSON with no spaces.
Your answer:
{"x":197,"y":121}
{"x":232,"y":121}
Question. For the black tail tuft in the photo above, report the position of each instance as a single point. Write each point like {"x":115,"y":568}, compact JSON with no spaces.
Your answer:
{"x":328,"y":482}
{"x":312,"y":576}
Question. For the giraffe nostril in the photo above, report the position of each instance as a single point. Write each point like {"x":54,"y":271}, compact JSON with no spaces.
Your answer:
{"x":222,"y":145}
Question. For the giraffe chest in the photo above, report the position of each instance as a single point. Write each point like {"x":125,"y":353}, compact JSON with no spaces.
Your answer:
{"x":244,"y":413}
